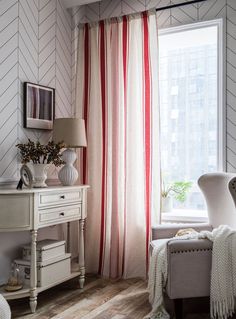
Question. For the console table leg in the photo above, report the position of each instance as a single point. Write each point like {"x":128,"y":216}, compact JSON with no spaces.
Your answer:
{"x":68,"y":237}
{"x":33,"y":303}
{"x":81,"y":254}
{"x":33,"y":272}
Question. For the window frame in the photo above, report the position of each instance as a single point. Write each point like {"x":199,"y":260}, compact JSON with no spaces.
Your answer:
{"x":221,"y":87}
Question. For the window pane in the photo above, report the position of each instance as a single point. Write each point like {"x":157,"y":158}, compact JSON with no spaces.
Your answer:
{"x":188,"y":96}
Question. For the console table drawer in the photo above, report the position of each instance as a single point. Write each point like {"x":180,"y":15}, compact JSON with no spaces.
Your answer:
{"x":59,"y":198}
{"x":59,"y":215}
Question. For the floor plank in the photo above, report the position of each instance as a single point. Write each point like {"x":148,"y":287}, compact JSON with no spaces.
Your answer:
{"x":99,"y":295}
{"x":100,"y":299}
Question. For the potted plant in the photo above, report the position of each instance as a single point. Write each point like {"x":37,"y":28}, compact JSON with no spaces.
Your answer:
{"x":40,"y":156}
{"x":178,"y":190}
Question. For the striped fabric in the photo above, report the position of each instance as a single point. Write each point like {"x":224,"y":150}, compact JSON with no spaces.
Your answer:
{"x":117,"y":96}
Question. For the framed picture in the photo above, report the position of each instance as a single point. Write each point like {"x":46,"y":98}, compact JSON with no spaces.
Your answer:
{"x":39,"y":106}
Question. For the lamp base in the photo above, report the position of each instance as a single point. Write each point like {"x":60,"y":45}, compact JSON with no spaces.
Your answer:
{"x":68,"y":175}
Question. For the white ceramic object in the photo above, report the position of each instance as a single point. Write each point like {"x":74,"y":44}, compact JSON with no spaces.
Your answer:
{"x":166,"y":204}
{"x":220,"y":203}
{"x":39,"y":172}
{"x":68,"y":175}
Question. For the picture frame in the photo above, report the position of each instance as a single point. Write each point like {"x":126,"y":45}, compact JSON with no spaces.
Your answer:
{"x":26,"y":176}
{"x":39,"y":106}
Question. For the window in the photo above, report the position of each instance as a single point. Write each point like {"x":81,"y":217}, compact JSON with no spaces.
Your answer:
{"x":191,"y":106}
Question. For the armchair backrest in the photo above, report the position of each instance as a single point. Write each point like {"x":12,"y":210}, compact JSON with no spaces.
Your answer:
{"x":220,"y":203}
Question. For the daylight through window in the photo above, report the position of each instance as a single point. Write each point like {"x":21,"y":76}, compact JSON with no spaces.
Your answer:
{"x":189,"y":108}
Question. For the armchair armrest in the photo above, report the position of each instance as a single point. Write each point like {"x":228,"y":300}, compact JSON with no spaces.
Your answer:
{"x":186,"y":245}
{"x":189,"y":268}
{"x":168,"y":231}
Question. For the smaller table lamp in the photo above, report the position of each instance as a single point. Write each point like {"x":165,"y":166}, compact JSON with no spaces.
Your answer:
{"x":72,"y":132}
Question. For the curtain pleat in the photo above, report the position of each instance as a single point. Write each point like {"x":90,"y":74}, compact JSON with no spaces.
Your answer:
{"x":116,"y":95}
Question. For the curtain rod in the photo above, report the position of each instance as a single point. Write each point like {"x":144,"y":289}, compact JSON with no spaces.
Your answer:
{"x":182,"y":4}
{"x":179,"y":5}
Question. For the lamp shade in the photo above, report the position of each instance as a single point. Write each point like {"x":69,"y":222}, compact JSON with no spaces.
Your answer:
{"x":71,"y":131}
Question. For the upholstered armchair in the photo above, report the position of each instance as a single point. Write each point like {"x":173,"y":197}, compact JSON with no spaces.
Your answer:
{"x":189,"y":261}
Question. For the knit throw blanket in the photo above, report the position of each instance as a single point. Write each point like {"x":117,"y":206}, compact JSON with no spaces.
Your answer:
{"x":223,"y":273}
{"x":5,"y":312}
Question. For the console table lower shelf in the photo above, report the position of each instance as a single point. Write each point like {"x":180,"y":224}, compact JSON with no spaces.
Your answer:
{"x":25,"y":292}
{"x":33,"y":209}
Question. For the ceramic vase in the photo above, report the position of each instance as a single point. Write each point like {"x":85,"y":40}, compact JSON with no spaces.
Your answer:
{"x":166,"y":204}
{"x":39,"y":172}
{"x":68,"y":175}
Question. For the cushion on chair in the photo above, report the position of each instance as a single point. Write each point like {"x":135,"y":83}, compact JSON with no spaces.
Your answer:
{"x":170,"y":230}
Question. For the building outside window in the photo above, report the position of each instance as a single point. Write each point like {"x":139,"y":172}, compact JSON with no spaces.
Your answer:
{"x":190,"y":107}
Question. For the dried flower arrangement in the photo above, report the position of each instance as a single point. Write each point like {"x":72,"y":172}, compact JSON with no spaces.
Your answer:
{"x":41,"y":154}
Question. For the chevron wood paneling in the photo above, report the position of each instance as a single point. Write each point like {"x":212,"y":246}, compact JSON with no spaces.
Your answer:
{"x":77,"y":16}
{"x":9,"y":87}
{"x":211,"y":9}
{"x":47,"y":15}
{"x":28,"y":58}
{"x":231,"y":85}
{"x":47,"y":43}
{"x":63,"y":62}
{"x":36,"y":46}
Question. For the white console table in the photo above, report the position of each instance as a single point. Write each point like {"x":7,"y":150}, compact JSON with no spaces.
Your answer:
{"x":32,"y":209}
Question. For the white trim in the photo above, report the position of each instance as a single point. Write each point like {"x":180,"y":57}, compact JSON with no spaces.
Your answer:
{"x":191,"y":26}
{"x":222,"y":161}
{"x":185,"y":216}
{"x":221,"y":104}
{"x":221,"y":80}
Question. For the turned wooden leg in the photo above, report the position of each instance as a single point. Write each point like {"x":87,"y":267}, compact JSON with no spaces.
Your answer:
{"x":81,"y":254}
{"x":178,"y":303}
{"x":68,"y":237}
{"x":33,"y":272}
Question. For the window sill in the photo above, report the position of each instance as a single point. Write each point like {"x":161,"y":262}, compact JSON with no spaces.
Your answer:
{"x":184,"y":216}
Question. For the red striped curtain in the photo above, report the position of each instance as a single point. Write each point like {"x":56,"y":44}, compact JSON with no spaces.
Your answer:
{"x":117,"y":95}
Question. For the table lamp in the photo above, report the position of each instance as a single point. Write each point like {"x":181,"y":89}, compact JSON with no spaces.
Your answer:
{"x":72,"y":132}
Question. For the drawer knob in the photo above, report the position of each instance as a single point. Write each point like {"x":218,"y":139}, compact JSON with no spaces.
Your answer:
{"x":62,"y":197}
{"x":62,"y":214}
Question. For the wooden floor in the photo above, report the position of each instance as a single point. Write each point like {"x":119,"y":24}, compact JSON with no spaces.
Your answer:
{"x":100,"y":299}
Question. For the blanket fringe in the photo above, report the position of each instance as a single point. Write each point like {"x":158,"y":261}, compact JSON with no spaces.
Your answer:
{"x":222,"y":309}
{"x":161,"y":313}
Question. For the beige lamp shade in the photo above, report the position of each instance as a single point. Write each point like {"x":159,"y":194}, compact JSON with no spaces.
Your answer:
{"x":71,"y":131}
